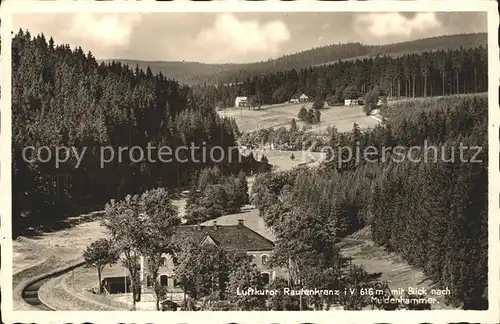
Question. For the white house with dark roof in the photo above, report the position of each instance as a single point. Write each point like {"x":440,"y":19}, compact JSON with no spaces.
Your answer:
{"x":303,"y":98}
{"x":240,"y":101}
{"x":231,"y":237}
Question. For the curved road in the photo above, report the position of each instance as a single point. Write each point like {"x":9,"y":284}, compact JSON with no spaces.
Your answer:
{"x":30,"y":294}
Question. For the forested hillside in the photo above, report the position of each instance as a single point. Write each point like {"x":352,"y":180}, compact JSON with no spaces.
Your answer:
{"x":431,"y":207}
{"x":65,"y":99}
{"x":200,"y":73}
{"x":442,"y":72}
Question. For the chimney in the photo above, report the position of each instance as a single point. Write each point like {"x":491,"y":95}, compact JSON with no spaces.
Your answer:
{"x":215,"y":224}
{"x":240,"y":222}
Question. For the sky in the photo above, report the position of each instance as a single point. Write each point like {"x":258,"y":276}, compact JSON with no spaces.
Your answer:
{"x":237,"y":37}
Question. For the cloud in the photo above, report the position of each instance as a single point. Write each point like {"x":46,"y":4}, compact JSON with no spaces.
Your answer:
{"x":396,"y":24}
{"x":236,"y":37}
{"x":106,"y":30}
{"x":230,"y":38}
{"x":106,"y":35}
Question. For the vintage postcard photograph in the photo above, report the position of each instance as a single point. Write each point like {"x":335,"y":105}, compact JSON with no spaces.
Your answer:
{"x":248,"y":162}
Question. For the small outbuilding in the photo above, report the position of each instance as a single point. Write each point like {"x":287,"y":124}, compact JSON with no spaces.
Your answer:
{"x":241,"y":101}
{"x":116,"y":285}
{"x":303,"y":98}
{"x":351,"y":102}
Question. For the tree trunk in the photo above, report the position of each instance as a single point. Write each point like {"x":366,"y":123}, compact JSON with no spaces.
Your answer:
{"x":425,"y":86}
{"x":133,"y":277}
{"x":399,"y":88}
{"x":442,"y":77}
{"x":185,"y":300}
{"x":475,"y":80}
{"x":413,"y":87}
{"x":458,"y":90}
{"x":132,"y":287}
{"x":99,"y":273}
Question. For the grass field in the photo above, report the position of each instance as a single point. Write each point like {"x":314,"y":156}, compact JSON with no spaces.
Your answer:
{"x":66,"y":245}
{"x":343,"y":117}
{"x":39,"y":255}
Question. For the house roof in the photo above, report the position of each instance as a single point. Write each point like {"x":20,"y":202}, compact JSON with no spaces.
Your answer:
{"x":241,"y":98}
{"x":237,"y":237}
{"x":303,"y":96}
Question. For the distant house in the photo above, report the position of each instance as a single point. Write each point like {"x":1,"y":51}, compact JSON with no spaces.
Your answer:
{"x":232,"y":83}
{"x":303,"y":98}
{"x":241,"y":101}
{"x":351,"y":102}
{"x":294,"y":100}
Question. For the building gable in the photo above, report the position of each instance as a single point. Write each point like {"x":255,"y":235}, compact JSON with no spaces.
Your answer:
{"x":209,"y":240}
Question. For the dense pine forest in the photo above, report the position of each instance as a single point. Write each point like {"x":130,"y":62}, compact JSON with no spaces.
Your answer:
{"x":64,"y":98}
{"x":194,"y":73}
{"x":432,"y":212}
{"x":436,"y":73}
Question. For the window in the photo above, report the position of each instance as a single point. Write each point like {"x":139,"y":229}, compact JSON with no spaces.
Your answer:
{"x":164,"y":280}
{"x":163,"y":262}
{"x":265,"y":259}
{"x":265,"y":278}
{"x":149,"y":282}
{"x":253,"y":257}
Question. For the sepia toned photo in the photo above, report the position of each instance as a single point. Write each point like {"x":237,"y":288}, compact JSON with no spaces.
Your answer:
{"x":334,"y":162}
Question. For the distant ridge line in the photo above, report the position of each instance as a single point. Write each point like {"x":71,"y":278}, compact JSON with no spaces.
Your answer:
{"x":214,"y":73}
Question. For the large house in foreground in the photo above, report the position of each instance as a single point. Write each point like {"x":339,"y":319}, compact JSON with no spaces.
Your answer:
{"x":232,"y":237}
